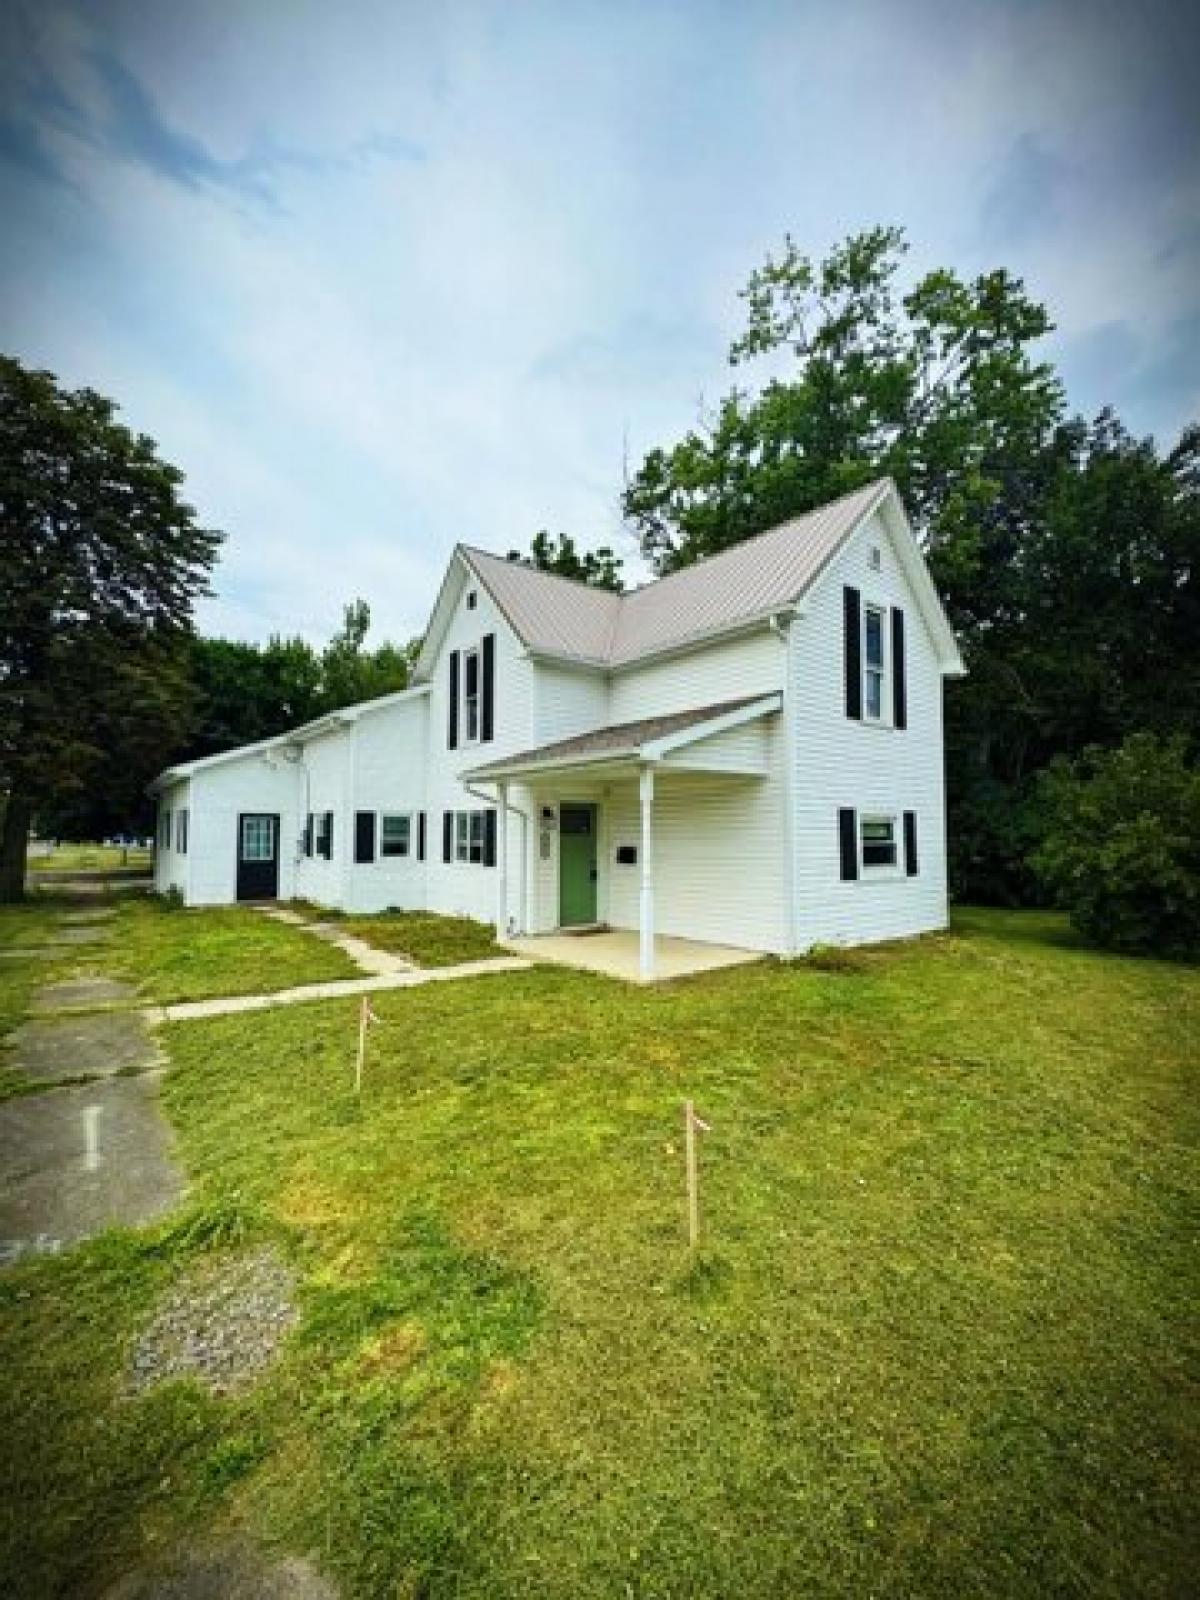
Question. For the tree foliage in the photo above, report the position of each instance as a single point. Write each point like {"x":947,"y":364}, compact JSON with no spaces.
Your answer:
{"x":600,"y":567}
{"x":1122,"y":845}
{"x":937,"y":387}
{"x":1065,"y":552}
{"x":101,"y":561}
{"x":246,"y":692}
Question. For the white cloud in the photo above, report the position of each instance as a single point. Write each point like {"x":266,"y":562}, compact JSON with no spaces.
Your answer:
{"x":455,"y":335}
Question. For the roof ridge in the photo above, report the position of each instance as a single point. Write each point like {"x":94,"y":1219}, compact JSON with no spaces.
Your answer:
{"x":542,"y":572}
{"x":753,"y":538}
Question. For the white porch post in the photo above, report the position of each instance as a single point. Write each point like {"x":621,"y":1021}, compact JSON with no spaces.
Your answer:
{"x":501,"y":860}
{"x":646,"y":906}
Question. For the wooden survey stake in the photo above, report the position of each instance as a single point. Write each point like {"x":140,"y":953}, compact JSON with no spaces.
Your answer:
{"x":691,"y":1122}
{"x":365,"y":1018}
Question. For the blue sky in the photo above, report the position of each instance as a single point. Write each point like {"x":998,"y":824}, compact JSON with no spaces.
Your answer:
{"x":379,"y":277}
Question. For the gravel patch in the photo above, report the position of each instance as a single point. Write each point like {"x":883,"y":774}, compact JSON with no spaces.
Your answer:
{"x":222,"y":1324}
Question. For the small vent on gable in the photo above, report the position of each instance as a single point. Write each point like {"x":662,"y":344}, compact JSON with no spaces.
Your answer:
{"x":875,"y":559}
{"x":472,"y":600}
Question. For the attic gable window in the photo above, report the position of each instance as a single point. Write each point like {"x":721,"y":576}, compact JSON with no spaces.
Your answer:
{"x":874,"y":662}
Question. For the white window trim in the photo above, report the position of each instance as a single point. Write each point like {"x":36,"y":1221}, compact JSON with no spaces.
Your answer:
{"x":476,"y":654}
{"x":464,"y":841}
{"x":883,"y":611}
{"x":405,"y":817}
{"x":869,"y":872}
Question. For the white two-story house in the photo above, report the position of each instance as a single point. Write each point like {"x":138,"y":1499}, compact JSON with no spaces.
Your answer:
{"x":748,"y":752}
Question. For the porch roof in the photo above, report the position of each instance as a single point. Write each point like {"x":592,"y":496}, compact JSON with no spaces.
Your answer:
{"x":648,"y":739}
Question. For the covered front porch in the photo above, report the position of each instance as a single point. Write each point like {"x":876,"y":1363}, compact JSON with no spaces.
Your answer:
{"x":639,"y":844}
{"x":617,"y":953}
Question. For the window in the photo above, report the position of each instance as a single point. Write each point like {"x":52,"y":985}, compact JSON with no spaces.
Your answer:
{"x":325,"y":835}
{"x":181,"y":831}
{"x":877,"y":837}
{"x":474,"y":837}
{"x":164,"y":830}
{"x":471,"y":696}
{"x":472,"y":600}
{"x":395,"y":835}
{"x":258,"y":838}
{"x":306,"y":842}
{"x":874,"y":664}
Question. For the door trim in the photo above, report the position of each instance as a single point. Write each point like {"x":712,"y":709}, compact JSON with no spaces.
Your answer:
{"x":274,"y":818}
{"x":593,"y":808}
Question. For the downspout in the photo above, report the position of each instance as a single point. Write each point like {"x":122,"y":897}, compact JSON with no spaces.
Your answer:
{"x":784,"y":633}
{"x":494,"y":800}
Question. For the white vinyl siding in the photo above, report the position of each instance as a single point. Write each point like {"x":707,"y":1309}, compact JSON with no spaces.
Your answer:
{"x":466,"y":888}
{"x":872,"y":768}
{"x":751,"y":664}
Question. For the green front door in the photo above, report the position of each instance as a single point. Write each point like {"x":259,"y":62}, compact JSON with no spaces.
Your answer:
{"x":576,"y":865}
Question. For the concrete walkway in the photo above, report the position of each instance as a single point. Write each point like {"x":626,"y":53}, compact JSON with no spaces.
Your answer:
{"x":407,"y":977}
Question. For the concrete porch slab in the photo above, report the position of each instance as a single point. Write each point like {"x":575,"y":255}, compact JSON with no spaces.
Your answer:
{"x":614,"y":953}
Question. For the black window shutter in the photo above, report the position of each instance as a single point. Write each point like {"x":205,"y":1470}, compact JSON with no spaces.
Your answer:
{"x":487,"y":721}
{"x":910,"y":843}
{"x":489,"y":837}
{"x":308,"y":834}
{"x":848,"y":842}
{"x":420,"y":836}
{"x":328,"y":850}
{"x":899,"y":682}
{"x":453,"y":738}
{"x":447,"y":834}
{"x":364,"y":836}
{"x":852,"y":639}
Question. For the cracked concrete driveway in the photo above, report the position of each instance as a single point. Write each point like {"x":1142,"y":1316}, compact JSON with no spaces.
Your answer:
{"x":75,"y":1161}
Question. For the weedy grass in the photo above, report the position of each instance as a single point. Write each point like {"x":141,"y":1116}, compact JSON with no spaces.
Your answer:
{"x":939,"y":1340}
{"x":426,"y":939}
{"x":225,"y":950}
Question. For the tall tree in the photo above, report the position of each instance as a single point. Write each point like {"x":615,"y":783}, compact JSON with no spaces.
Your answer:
{"x":100,"y":564}
{"x":560,"y":554}
{"x":350,"y":672}
{"x":1065,"y":552}
{"x":245,"y":692}
{"x":937,"y":387}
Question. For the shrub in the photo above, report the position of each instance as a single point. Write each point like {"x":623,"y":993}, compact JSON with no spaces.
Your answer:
{"x":1122,"y":846}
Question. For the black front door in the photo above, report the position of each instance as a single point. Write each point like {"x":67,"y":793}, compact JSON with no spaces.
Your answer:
{"x":258,"y":856}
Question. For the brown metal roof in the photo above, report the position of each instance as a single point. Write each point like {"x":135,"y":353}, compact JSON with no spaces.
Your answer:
{"x":561,"y":617}
{"x":618,"y":739}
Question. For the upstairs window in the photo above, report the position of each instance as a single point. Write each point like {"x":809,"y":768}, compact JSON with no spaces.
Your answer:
{"x":164,"y":830}
{"x":874,"y":663}
{"x":471,"y":697}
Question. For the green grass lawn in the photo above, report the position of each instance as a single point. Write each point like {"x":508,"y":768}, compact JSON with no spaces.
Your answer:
{"x":90,"y":857}
{"x":940,"y":1340}
{"x":169,"y":954}
{"x":215,"y":950}
{"x":426,"y":939}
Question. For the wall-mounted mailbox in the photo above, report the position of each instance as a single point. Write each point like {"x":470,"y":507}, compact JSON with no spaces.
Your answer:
{"x":627,"y":855}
